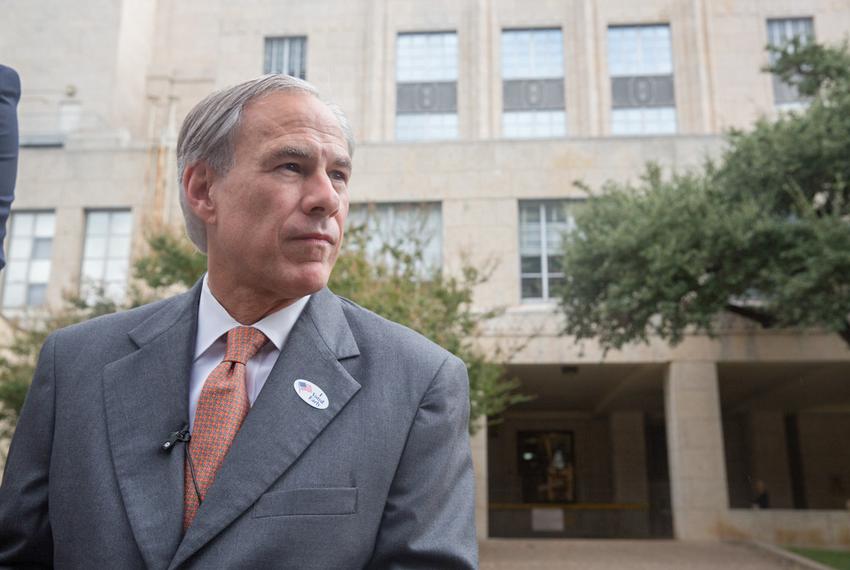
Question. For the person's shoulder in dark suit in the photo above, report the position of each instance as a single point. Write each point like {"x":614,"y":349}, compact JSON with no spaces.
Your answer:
{"x":10,"y":94}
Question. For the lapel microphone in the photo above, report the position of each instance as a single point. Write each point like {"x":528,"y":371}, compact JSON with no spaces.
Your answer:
{"x":183,"y":436}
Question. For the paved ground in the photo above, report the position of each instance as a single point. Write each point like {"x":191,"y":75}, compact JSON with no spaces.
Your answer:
{"x":515,"y":554}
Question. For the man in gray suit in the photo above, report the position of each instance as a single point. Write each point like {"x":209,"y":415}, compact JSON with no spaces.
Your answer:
{"x":350,"y":446}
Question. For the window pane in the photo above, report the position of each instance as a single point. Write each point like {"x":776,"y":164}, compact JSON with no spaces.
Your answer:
{"x":20,"y":247}
{"x":22,"y":224}
{"x":531,"y":264}
{"x":414,"y":228}
{"x":41,"y":248}
{"x":36,"y":295}
{"x":534,"y":124}
{"x":39,"y":271}
{"x":121,"y":223}
{"x":555,"y":284}
{"x":119,"y":247}
{"x":44,"y":225}
{"x":14,"y":295}
{"x":16,"y":271}
{"x":426,"y":57}
{"x":426,"y":126}
{"x":639,"y":50}
{"x":556,"y":263}
{"x":532,"y":54}
{"x":286,"y":55}
{"x":643,"y":121}
{"x":532,"y":288}
{"x":93,"y":270}
{"x":95,"y":247}
{"x":116,"y":269}
{"x":97,"y":223}
{"x":529,"y":213}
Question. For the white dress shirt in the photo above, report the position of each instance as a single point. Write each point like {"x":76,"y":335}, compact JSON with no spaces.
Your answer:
{"x":211,"y":343}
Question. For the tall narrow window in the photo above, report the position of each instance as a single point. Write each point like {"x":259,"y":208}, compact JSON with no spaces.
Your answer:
{"x":533,"y":83}
{"x":426,"y":86}
{"x":640,"y":63}
{"x":106,"y":254}
{"x":408,"y":227}
{"x":542,"y":225}
{"x":780,"y":32}
{"x":30,"y":251}
{"x":287,"y":55}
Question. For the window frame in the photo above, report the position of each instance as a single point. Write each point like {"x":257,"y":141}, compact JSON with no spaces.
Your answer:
{"x":441,"y":92}
{"x":102,"y":283}
{"x":268,"y":40}
{"x":558,"y":125}
{"x":10,"y":260}
{"x":642,"y":109}
{"x":544,"y":274}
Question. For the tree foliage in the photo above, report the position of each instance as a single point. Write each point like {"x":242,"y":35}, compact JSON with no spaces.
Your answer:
{"x":391,"y":284}
{"x":762,"y":231}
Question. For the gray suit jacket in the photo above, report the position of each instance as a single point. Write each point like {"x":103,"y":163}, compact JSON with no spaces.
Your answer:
{"x":382,"y":478}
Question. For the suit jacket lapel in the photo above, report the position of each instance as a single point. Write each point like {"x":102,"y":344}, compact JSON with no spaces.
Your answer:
{"x":280,"y":426}
{"x":146,"y":398}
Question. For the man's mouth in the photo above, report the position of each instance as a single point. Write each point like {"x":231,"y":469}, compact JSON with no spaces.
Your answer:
{"x":317,"y":237}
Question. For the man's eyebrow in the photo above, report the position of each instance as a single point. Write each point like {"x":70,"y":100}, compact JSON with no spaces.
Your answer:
{"x":290,"y":152}
{"x":343,"y":162}
{"x":298,"y":152}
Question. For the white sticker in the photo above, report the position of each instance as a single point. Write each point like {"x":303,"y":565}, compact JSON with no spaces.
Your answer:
{"x":311,"y":393}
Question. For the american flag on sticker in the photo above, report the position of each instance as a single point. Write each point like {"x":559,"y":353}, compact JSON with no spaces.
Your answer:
{"x":310,"y":393}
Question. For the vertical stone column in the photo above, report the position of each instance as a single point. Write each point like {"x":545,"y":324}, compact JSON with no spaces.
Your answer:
{"x":628,"y":462}
{"x":478,"y":442}
{"x":769,"y":456}
{"x":695,"y":448}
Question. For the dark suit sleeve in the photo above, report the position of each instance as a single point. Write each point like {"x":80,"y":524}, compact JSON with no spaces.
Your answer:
{"x":25,"y":537}
{"x":10,"y":92}
{"x":429,"y":518}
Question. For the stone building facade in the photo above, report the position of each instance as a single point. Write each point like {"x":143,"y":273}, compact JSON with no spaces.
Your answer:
{"x":478,"y":115}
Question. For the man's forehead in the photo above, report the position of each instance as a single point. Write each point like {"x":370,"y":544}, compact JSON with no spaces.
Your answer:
{"x":283,"y":118}
{"x":292,"y":107}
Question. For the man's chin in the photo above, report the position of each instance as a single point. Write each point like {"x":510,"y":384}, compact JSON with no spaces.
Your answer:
{"x":310,"y":280}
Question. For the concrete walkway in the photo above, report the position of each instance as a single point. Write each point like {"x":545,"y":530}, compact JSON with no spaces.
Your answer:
{"x":517,"y":554}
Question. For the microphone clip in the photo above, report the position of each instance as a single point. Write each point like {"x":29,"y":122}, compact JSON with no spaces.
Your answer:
{"x":182,"y":435}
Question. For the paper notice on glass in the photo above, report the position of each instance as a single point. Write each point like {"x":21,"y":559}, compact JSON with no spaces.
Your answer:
{"x":547,"y":520}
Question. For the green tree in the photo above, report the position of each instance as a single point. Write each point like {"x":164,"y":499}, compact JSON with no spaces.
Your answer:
{"x":761,"y":231}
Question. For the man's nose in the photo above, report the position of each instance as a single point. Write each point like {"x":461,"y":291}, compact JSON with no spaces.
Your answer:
{"x":320,"y":196}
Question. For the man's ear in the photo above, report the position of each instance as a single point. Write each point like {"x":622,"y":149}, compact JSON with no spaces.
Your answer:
{"x":197,"y":183}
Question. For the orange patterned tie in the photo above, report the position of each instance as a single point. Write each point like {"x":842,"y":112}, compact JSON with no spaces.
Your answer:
{"x":222,"y":406}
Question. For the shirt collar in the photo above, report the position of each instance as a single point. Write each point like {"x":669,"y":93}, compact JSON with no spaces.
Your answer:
{"x":214,"y":321}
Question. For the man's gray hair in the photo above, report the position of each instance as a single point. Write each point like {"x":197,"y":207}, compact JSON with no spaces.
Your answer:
{"x":209,"y":130}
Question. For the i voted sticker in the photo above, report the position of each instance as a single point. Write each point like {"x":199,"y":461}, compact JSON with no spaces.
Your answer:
{"x":311,"y":393}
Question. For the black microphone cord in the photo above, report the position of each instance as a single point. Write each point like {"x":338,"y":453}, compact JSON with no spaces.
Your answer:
{"x":183,"y":436}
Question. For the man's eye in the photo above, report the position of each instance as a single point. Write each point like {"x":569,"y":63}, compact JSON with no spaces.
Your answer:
{"x":292,"y":166}
{"x":339,"y":175}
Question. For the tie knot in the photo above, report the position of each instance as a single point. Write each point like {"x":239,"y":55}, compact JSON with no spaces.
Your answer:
{"x":243,"y":343}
